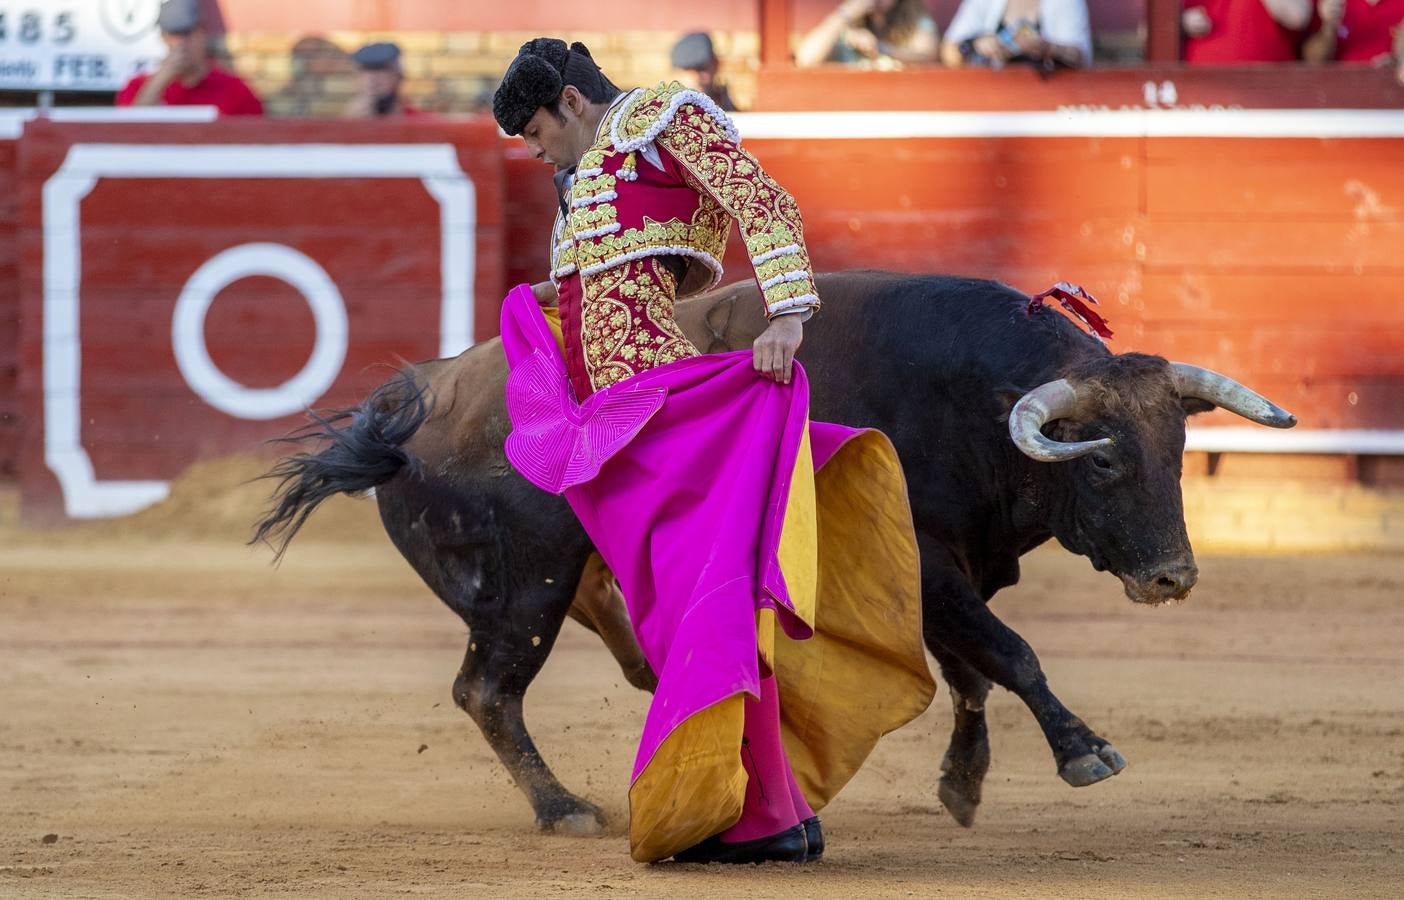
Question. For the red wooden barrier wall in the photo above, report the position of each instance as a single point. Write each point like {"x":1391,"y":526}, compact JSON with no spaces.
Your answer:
{"x":396,"y":232}
{"x":1272,"y":259}
{"x":10,"y":418}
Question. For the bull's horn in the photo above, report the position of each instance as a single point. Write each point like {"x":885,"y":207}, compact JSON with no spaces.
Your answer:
{"x":1044,"y":404}
{"x":1224,"y":392}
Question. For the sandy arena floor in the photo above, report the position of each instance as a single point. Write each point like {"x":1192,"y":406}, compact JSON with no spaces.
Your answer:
{"x":190,"y":722}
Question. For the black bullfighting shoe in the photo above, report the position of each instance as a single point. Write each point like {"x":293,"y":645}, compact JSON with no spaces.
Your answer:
{"x":787,"y":846}
{"x":813,"y":838}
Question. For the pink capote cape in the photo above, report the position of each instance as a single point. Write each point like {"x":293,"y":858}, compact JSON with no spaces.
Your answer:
{"x":681,"y":476}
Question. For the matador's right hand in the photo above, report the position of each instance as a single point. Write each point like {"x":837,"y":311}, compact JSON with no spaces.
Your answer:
{"x":774,"y":351}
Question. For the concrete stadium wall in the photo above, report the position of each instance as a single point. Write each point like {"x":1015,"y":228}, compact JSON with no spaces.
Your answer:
{"x":295,"y":54}
{"x":547,"y":17}
{"x":301,"y":74}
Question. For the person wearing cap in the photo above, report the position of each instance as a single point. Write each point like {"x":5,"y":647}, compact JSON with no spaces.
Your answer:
{"x":695,"y":65}
{"x":694,"y":474}
{"x":187,"y":77}
{"x":381,"y":78}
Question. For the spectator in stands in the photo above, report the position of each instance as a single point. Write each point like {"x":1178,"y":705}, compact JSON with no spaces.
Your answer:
{"x":1243,"y":31}
{"x":695,"y":64}
{"x":1358,"y":31}
{"x":994,"y":33}
{"x":381,"y":78}
{"x":884,"y":33}
{"x":187,"y":77}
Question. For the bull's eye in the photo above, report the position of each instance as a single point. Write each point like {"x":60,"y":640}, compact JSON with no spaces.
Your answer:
{"x":1101,"y":461}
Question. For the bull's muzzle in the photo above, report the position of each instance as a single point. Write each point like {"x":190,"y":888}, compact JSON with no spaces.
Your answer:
{"x":1162,"y":583}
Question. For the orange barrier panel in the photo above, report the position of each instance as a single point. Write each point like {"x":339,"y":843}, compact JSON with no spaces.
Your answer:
{"x":188,"y":290}
{"x":1268,"y":258}
{"x":1272,"y":259}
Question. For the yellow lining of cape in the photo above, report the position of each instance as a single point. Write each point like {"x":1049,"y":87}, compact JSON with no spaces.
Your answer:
{"x":847,"y":536}
{"x":693,"y":786}
{"x":553,"y":321}
{"x":864,"y":672}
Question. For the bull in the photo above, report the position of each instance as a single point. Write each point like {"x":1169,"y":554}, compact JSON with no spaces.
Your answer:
{"x":949,"y":368}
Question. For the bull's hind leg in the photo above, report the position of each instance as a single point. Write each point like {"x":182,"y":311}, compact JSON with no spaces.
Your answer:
{"x":500,"y":663}
{"x":512,"y":587}
{"x":968,"y":756}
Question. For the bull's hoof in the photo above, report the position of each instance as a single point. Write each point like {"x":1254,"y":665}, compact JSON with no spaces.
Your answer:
{"x":578,"y":819}
{"x":960,"y":799}
{"x":579,"y":825}
{"x":1092,"y":767}
{"x":963,"y":774}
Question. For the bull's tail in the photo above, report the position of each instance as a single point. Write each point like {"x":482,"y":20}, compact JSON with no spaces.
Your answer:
{"x":363,"y":449}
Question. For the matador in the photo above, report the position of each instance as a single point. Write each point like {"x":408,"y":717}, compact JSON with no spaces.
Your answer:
{"x":768,"y":563}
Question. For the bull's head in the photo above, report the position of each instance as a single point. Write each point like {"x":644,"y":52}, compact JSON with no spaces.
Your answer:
{"x":1117,"y":426}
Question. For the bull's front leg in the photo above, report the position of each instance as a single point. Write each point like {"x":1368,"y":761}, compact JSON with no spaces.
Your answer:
{"x":957,"y":617}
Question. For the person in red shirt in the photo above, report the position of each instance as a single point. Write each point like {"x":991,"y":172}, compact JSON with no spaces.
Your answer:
{"x":381,"y":78}
{"x":186,"y":76}
{"x":1219,"y":32}
{"x":1358,"y":31}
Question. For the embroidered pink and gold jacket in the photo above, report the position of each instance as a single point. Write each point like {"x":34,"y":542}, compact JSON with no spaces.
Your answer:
{"x":666,"y":177}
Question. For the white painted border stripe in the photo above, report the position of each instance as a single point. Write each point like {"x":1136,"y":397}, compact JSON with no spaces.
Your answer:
{"x":264,"y":161}
{"x":436,"y":165}
{"x":12,"y":120}
{"x":1246,"y":123}
{"x":1253,"y":439}
{"x":1240,"y":123}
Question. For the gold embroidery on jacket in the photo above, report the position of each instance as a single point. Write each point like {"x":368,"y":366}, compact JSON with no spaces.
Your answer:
{"x":628,"y":322}
{"x":768,"y":215}
{"x":626,"y":315}
{"x":703,"y":236}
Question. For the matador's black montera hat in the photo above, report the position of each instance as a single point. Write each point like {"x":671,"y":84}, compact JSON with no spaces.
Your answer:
{"x":535,"y":79}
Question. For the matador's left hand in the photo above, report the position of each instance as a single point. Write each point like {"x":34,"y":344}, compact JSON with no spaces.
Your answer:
{"x":774,"y":351}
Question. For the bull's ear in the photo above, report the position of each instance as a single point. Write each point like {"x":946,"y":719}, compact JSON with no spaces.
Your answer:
{"x":1193,"y":406}
{"x":1005,"y":397}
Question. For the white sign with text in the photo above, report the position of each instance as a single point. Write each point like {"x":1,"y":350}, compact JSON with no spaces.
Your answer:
{"x":76,"y":45}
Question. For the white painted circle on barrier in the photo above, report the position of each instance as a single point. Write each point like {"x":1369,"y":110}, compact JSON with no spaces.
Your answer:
{"x":328,"y":312}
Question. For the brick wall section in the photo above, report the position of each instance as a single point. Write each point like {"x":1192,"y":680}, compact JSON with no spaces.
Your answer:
{"x":1252,"y":515}
{"x":452,"y":72}
{"x":456,"y":72}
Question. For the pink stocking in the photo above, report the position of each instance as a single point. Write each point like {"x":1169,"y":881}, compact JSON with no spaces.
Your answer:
{"x":802,"y":808}
{"x":773,"y":803}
